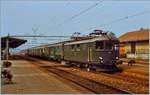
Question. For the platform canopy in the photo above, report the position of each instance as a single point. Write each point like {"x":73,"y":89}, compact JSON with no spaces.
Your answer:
{"x":13,"y":42}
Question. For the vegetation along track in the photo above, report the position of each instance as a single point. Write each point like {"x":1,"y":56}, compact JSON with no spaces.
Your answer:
{"x":95,"y":87}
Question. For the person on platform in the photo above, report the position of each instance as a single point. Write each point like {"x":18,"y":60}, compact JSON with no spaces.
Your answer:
{"x":6,"y":72}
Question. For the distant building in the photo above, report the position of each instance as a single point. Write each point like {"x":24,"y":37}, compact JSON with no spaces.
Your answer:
{"x":135,"y":44}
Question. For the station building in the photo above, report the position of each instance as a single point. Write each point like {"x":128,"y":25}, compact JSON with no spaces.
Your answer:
{"x":135,"y":44}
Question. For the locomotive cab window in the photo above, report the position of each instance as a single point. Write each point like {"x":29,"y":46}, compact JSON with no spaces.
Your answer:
{"x":99,"y":45}
{"x":108,"y":45}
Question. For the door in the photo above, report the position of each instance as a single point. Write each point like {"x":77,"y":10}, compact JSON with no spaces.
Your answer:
{"x":133,"y":47}
{"x":89,"y":54}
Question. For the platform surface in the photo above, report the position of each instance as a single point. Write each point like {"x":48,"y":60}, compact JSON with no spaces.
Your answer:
{"x":30,"y":79}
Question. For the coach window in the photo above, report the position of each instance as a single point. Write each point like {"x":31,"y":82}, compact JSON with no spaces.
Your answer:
{"x":78,"y":47}
{"x":72,"y":47}
{"x":43,"y":50}
{"x":99,"y":45}
{"x":57,"y":48}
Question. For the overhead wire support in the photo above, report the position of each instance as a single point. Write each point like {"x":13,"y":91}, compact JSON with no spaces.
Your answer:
{"x":76,"y":15}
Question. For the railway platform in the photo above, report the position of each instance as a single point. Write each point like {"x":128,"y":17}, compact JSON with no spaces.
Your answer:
{"x":29,"y":79}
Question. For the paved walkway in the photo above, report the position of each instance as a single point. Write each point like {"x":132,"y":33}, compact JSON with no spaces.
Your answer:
{"x":29,"y":79}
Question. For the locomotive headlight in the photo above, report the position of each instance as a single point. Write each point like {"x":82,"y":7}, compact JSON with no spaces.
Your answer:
{"x":117,"y":58}
{"x":100,"y":58}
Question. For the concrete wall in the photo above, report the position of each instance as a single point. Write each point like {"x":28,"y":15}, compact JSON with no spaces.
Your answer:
{"x":127,"y":48}
{"x":138,"y":56}
{"x":142,"y":50}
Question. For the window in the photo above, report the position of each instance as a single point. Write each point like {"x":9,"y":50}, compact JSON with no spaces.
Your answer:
{"x":133,"y":47}
{"x":78,"y":47}
{"x":43,"y":50}
{"x":72,"y":47}
{"x":108,"y":45}
{"x":99,"y":45}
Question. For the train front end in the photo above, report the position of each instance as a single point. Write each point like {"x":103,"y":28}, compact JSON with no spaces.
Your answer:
{"x":107,"y":54}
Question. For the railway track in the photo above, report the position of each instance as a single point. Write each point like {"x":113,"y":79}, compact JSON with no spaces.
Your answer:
{"x":125,"y":77}
{"x":128,"y":79}
{"x":122,"y":76}
{"x":138,"y":72}
{"x":91,"y":85}
{"x":132,"y":79}
{"x":122,"y":81}
{"x":96,"y":87}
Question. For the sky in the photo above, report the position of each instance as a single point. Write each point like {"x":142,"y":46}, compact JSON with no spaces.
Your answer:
{"x":49,"y":17}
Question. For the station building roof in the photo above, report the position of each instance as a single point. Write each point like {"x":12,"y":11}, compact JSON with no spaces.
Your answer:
{"x":13,"y":42}
{"x":138,"y":35}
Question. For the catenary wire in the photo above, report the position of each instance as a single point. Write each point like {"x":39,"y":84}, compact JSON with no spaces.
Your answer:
{"x":118,"y":20}
{"x":76,"y":15}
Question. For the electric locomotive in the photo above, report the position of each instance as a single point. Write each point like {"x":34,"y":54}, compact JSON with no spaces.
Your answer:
{"x":99,"y":52}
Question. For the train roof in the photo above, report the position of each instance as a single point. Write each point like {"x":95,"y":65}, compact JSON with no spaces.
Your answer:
{"x":79,"y":40}
{"x":47,"y":45}
{"x":92,"y":39}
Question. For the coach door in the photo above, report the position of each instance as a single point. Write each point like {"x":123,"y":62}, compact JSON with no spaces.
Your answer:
{"x":89,"y":54}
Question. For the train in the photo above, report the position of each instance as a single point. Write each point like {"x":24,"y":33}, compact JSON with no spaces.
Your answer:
{"x":93,"y":52}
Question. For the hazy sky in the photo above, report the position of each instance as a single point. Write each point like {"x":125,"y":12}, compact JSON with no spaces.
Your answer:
{"x":19,"y":17}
